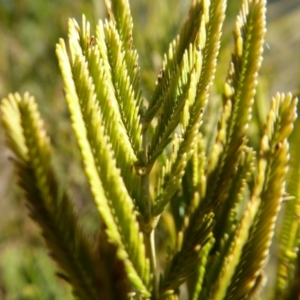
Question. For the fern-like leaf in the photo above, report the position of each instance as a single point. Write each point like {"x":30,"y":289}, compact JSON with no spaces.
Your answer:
{"x":225,"y":265}
{"x":107,"y":185}
{"x":199,"y":284}
{"x":209,"y":48}
{"x":94,"y":60}
{"x":125,"y":94}
{"x":238,"y":97}
{"x":173,"y":59}
{"x":290,"y":231}
{"x":274,"y":158}
{"x":119,"y":13}
{"x":228,"y":213}
{"x":48,"y":205}
{"x":187,"y":255}
{"x":181,"y":92}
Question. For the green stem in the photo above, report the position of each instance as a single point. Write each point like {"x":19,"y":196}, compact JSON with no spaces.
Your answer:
{"x":143,"y":172}
{"x":148,"y":220}
{"x":150,"y":249}
{"x":153,"y":265}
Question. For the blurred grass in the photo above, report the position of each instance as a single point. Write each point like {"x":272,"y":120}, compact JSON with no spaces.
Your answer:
{"x":29,"y":31}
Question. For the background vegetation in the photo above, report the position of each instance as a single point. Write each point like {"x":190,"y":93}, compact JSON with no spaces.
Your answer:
{"x":29,"y":31}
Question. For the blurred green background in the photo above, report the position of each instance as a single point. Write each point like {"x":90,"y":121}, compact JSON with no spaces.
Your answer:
{"x":29,"y":30}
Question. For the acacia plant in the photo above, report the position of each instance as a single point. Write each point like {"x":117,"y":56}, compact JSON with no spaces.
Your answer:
{"x":158,"y":160}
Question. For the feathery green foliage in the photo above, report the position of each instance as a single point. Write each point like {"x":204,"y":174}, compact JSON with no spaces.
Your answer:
{"x":145,"y":160}
{"x":114,"y":202}
{"x":287,"y":286}
{"x":47,"y":203}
